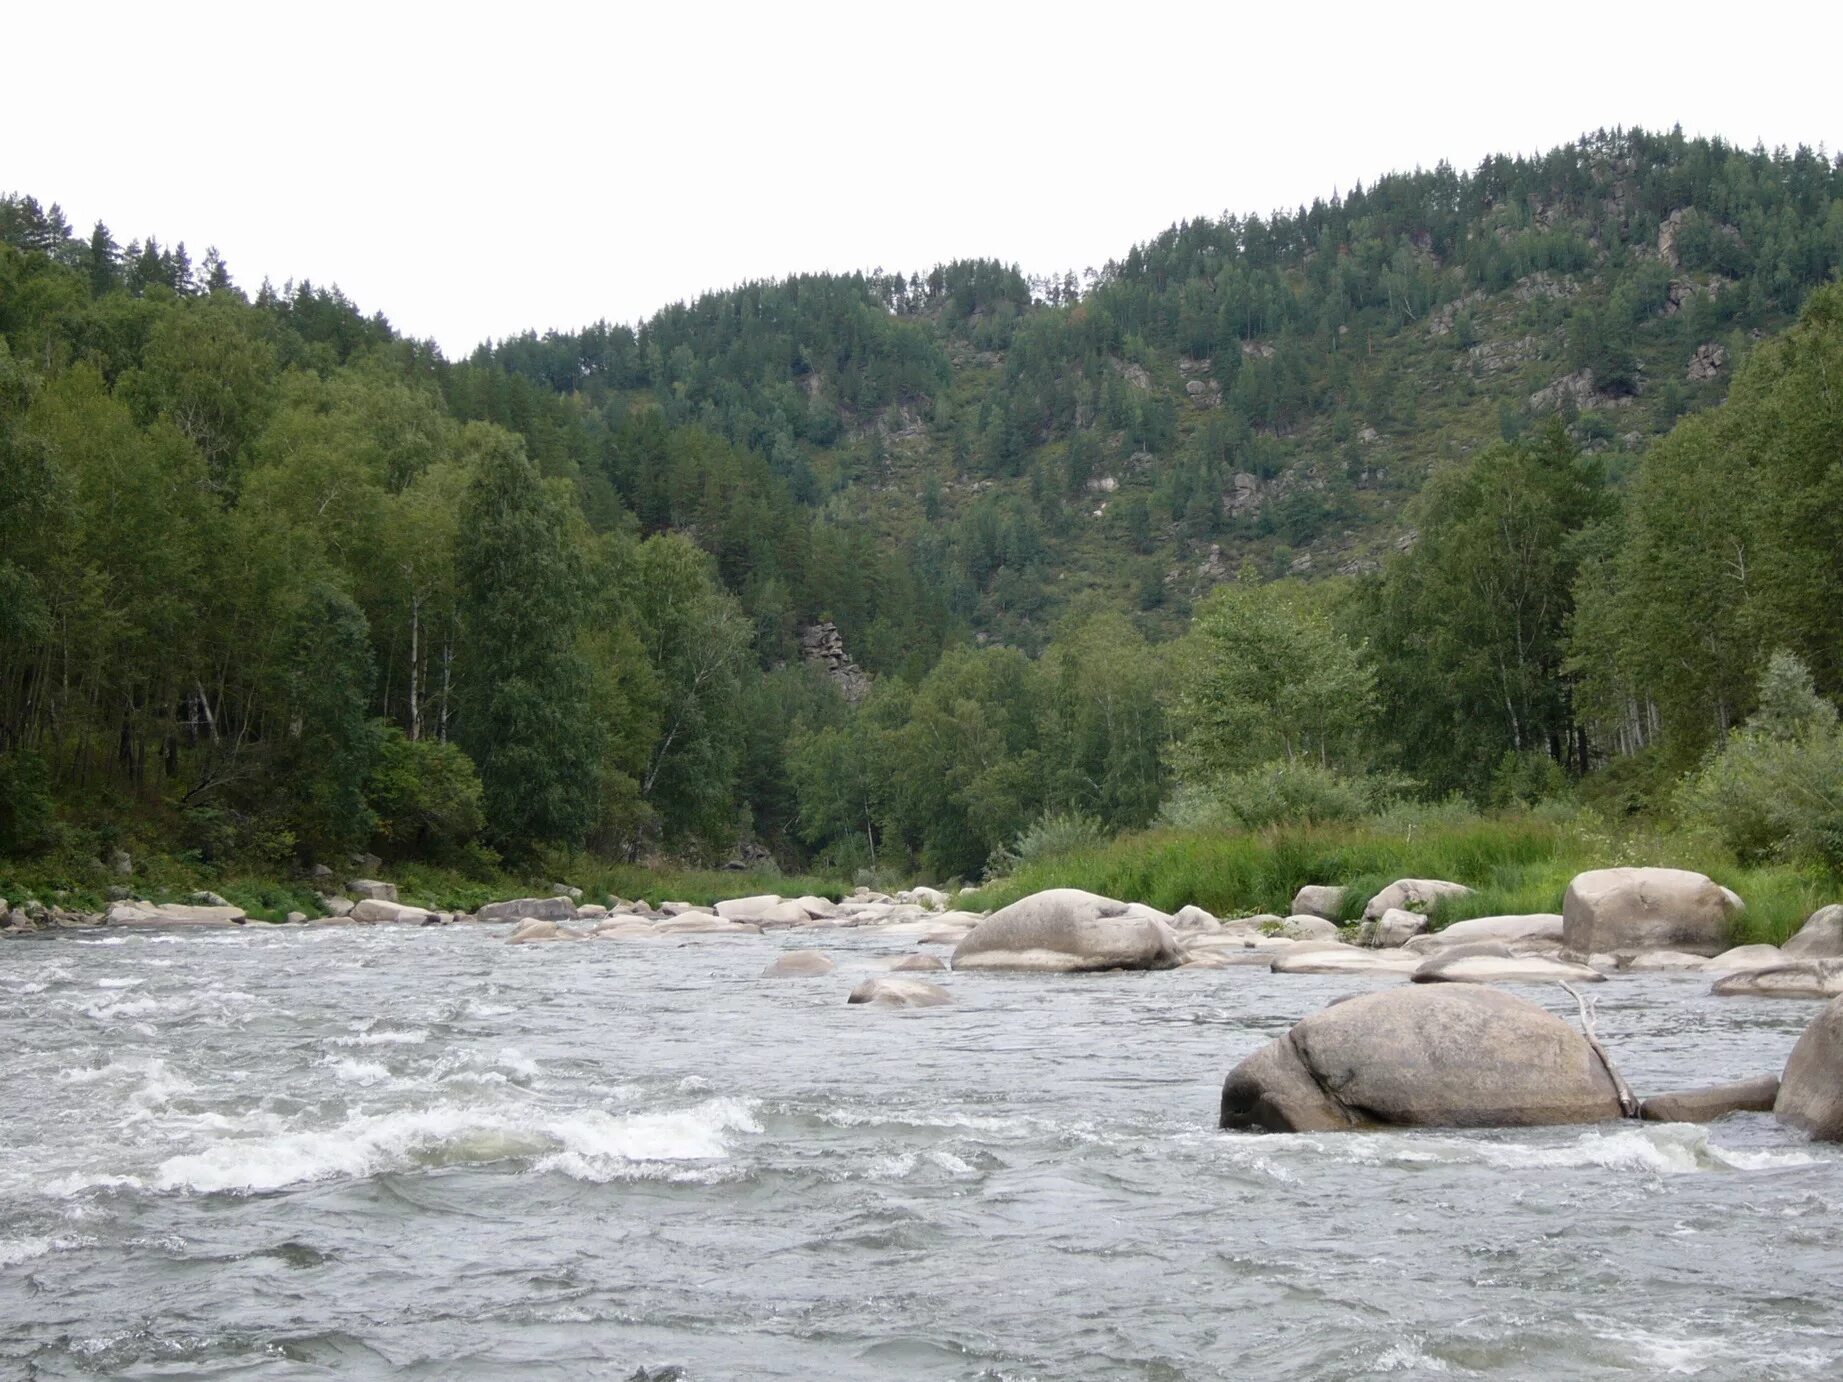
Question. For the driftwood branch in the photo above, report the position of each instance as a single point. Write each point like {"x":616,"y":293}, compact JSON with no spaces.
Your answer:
{"x":1628,"y":1101}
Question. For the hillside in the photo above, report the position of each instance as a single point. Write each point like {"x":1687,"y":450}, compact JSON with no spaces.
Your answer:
{"x":879,"y":569}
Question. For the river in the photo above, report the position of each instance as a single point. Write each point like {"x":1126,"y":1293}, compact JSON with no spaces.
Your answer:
{"x":358,"y":1152}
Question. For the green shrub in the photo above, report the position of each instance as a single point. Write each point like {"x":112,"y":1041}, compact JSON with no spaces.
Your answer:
{"x":1277,"y":793}
{"x":28,"y":824}
{"x":427,"y":798}
{"x":1774,"y":790}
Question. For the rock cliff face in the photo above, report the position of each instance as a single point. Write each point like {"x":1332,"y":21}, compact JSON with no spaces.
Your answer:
{"x":822,"y":647}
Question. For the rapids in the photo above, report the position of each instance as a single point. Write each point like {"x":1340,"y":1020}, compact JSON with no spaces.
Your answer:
{"x":421,"y":1152}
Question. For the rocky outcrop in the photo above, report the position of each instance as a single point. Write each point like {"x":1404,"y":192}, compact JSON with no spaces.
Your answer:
{"x":1319,"y":900}
{"x":541,"y":908}
{"x":1646,"y":909}
{"x":1066,"y":930}
{"x":1706,"y":363}
{"x":887,"y":992}
{"x":1412,"y":895}
{"x":799,"y":964}
{"x":1820,"y":938}
{"x":1706,"y":1105}
{"x":1444,"y":1055}
{"x":822,"y":646}
{"x":1811,"y":1089}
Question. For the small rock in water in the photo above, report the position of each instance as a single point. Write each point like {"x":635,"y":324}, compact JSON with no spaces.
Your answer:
{"x":799,"y":964}
{"x":1706,"y":1105}
{"x":920,"y":964}
{"x":900,"y":993}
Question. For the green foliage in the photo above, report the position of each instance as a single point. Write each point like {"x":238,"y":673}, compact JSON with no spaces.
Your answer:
{"x":1047,"y":836}
{"x":1276,"y":793}
{"x":1264,"y":676}
{"x":426,"y":796}
{"x":1774,"y":789}
{"x":28,"y":822}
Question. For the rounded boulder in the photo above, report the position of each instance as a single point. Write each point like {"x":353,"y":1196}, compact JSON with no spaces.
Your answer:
{"x":1065,"y":930}
{"x":1441,"y":1055}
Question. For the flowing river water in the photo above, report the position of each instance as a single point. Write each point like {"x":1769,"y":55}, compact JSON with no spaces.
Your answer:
{"x":424,"y":1153}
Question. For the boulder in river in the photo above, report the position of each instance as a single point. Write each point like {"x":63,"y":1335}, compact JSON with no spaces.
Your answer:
{"x":1706,"y":1105}
{"x":1493,"y":962}
{"x":1536,"y":931}
{"x":886,"y":992}
{"x":1319,"y":900}
{"x":376,"y":910}
{"x":540,"y":908}
{"x":1194,"y":919}
{"x":1745,"y":957}
{"x":1820,"y":938}
{"x":1794,"y":979}
{"x":918,"y":964}
{"x":799,"y":964}
{"x":1392,"y":930}
{"x":133,"y":913}
{"x":541,"y":929}
{"x":1441,"y":1055}
{"x":1811,"y":1089}
{"x":765,"y":911}
{"x":1646,"y":909}
{"x":1066,"y":930}
{"x":1412,"y":895}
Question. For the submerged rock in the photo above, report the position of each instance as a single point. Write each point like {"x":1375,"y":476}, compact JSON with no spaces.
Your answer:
{"x":918,"y":964}
{"x":1441,"y":1055}
{"x":799,"y":964}
{"x":900,"y":993}
{"x":1706,"y":1105}
{"x":1811,"y":1089}
{"x":1492,"y":962}
{"x":1647,"y":909}
{"x":1330,"y":957}
{"x":539,"y":929}
{"x":1065,"y":930}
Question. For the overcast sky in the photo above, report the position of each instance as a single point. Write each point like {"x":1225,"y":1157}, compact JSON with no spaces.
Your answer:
{"x":475,"y":171}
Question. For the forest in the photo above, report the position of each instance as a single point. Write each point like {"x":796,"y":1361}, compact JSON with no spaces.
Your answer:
{"x":1505,"y":489}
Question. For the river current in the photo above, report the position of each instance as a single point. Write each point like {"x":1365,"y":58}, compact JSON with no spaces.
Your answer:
{"x":372,"y":1152}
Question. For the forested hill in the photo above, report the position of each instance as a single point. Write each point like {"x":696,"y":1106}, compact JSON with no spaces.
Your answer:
{"x":279,"y":581}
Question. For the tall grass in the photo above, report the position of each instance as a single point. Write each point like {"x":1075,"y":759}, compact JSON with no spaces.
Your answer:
{"x":1514,"y":865}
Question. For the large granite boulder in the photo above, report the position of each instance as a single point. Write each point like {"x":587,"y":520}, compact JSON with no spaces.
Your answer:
{"x":1066,"y":930}
{"x":376,"y":911}
{"x":768,"y":912}
{"x":362,"y":889}
{"x":1443,"y":1055}
{"x":133,"y":913}
{"x":1412,"y":895}
{"x":1795,"y":979}
{"x":1319,"y":900}
{"x":1646,"y":909}
{"x":1820,"y":938}
{"x":1811,"y":1089}
{"x":1706,"y":1105}
{"x":539,"y":908}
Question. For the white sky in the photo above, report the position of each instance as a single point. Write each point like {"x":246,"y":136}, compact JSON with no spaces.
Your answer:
{"x":473,"y":170}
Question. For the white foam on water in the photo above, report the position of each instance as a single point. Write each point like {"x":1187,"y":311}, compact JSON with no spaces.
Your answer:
{"x":1406,"y":1355}
{"x":119,"y":983}
{"x":13,"y":1251}
{"x":514,"y":1060}
{"x":365,"y":1072}
{"x":415,"y":1036}
{"x":1653,"y":1148}
{"x":588,"y":1144}
{"x":74,"y":1184}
